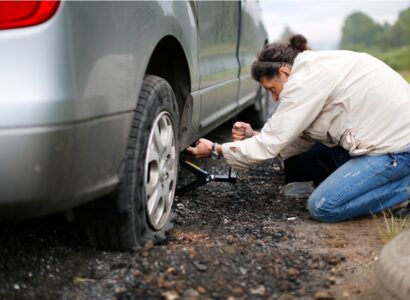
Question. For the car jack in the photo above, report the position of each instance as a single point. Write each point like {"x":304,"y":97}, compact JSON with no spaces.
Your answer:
{"x":203,"y":177}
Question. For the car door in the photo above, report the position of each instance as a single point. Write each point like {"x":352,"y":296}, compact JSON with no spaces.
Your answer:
{"x":252,"y":37}
{"x":218,"y":23}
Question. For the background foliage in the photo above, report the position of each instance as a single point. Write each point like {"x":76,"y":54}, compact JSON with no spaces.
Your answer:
{"x":390,"y":43}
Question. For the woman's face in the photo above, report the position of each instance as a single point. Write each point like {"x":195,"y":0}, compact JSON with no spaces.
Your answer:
{"x":275,"y":84}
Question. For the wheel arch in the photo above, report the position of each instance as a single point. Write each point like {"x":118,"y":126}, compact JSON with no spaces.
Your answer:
{"x":168,"y":61}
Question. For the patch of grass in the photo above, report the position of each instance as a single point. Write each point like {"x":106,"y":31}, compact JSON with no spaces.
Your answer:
{"x":397,"y":58}
{"x":391,"y":226}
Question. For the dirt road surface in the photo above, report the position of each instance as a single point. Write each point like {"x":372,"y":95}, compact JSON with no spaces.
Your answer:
{"x":242,"y":241}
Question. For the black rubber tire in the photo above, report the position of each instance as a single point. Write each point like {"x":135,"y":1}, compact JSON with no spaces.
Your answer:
{"x":393,"y":272}
{"x":118,"y":221}
{"x":258,"y":113}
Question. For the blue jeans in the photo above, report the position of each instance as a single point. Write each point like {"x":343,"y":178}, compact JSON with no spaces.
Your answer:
{"x":362,"y":185}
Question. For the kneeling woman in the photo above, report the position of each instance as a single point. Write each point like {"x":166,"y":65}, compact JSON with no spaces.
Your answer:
{"x":351,"y":102}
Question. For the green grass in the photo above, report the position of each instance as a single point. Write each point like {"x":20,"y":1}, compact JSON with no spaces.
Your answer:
{"x":391,"y":226}
{"x":398,"y":59}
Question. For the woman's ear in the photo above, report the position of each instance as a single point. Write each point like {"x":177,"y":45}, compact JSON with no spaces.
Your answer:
{"x":285,"y":70}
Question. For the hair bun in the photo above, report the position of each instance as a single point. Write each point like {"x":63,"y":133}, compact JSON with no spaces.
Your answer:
{"x":298,"y":42}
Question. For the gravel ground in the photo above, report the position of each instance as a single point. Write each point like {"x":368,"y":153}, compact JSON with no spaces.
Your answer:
{"x":242,"y":241}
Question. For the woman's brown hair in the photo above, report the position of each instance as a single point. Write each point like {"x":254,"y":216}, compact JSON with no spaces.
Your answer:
{"x":276,"y":55}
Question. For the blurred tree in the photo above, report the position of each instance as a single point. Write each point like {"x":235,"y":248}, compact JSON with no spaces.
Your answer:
{"x":400,"y":31}
{"x":360,"y":30}
{"x":383,"y":38}
{"x":390,"y":43}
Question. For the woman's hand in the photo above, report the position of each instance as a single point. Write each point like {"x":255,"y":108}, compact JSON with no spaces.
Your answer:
{"x":241,"y":131}
{"x":203,"y":148}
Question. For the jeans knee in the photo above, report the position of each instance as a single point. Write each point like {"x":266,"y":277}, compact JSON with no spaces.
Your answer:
{"x":321,"y":210}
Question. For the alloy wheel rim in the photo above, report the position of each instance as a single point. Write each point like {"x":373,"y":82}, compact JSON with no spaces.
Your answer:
{"x":160,"y":171}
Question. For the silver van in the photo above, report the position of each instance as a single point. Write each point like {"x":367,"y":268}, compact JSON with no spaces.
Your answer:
{"x":97,"y":99}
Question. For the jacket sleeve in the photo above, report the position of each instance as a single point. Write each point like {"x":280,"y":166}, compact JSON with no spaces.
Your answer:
{"x":302,"y":99}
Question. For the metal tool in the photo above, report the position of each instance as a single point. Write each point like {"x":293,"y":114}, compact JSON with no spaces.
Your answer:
{"x":203,"y":177}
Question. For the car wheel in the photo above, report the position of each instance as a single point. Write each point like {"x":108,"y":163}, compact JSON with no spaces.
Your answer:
{"x":257,"y":114}
{"x":140,"y":209}
{"x":393,"y":272}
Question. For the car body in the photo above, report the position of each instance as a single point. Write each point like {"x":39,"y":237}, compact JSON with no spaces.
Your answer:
{"x":69,"y":87}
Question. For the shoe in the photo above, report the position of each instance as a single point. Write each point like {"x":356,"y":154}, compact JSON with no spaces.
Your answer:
{"x":299,"y":190}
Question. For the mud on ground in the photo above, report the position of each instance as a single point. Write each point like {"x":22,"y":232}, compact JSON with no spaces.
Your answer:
{"x":242,"y":241}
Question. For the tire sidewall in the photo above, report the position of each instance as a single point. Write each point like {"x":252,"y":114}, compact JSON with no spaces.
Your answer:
{"x":160,"y":99}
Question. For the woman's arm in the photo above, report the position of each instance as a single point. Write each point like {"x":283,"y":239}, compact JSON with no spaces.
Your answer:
{"x":302,"y":100}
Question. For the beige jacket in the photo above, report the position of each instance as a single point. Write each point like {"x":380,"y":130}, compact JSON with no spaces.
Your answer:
{"x":336,"y":98}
